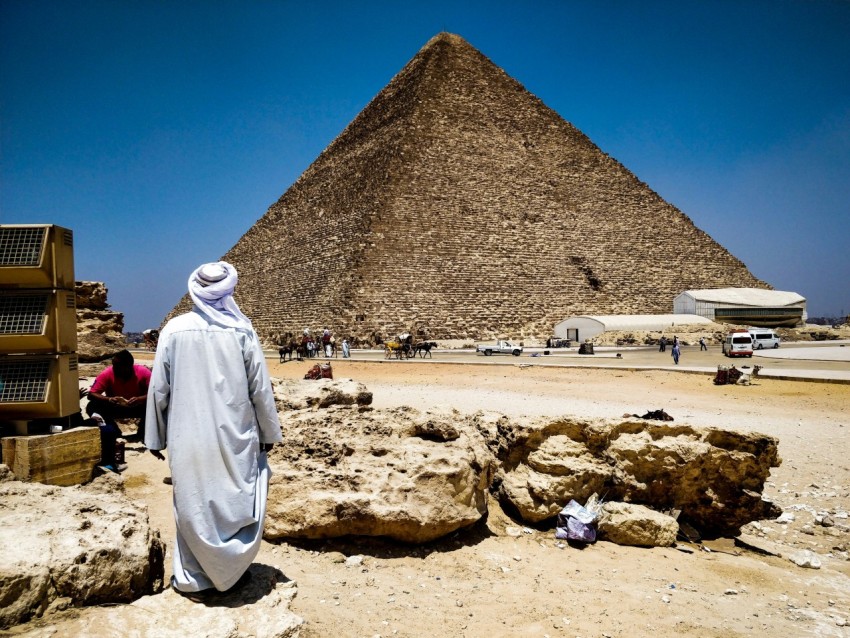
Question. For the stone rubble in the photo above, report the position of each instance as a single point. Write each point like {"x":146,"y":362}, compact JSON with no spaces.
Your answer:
{"x":377,"y":471}
{"x":417,"y":476}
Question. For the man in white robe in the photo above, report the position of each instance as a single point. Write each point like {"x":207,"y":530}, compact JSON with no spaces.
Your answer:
{"x":210,"y":402}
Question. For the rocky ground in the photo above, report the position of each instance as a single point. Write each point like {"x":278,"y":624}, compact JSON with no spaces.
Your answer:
{"x":501,"y":578}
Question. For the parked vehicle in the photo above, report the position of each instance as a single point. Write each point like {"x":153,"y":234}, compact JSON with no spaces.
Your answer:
{"x":764,"y":338}
{"x":500,"y":347}
{"x":738,"y":343}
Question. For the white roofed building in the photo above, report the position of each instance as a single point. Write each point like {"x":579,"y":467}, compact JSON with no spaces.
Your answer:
{"x":584,"y":327}
{"x":744,"y":306}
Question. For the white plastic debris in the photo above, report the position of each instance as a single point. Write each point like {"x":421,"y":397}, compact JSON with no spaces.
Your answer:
{"x":805,"y":558}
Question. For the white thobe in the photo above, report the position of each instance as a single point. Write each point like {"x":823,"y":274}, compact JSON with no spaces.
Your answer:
{"x":211,"y":404}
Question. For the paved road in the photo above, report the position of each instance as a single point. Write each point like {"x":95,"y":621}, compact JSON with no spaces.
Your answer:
{"x":830,"y":361}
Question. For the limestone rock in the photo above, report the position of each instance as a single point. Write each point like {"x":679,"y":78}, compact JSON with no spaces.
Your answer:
{"x":260,"y":609}
{"x":297,"y":394}
{"x":806,"y":558}
{"x":87,"y":546}
{"x":715,"y":477}
{"x":398,"y":473}
{"x":99,"y":330}
{"x":90,"y":295}
{"x":630,"y":524}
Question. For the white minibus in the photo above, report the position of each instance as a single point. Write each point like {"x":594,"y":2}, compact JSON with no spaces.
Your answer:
{"x":738,"y":343}
{"x":764,"y":338}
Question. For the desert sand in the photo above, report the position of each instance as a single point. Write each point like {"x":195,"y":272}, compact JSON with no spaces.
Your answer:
{"x":502,"y":578}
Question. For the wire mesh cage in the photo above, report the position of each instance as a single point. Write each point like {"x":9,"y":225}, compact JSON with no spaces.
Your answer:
{"x":36,"y":321}
{"x":34,"y":386}
{"x":36,"y":256}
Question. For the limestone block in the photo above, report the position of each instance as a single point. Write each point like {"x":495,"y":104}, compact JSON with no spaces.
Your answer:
{"x":298,"y":394}
{"x":87,"y":546}
{"x":401,"y":474}
{"x":90,"y":295}
{"x":631,"y":524}
{"x":715,"y":477}
{"x":64,"y":458}
{"x":260,"y":610}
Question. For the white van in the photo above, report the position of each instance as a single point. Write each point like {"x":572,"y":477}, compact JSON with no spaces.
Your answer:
{"x":738,"y":343}
{"x":764,"y":338}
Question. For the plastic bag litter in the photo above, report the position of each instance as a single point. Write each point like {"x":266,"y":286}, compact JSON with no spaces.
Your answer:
{"x":577,"y":523}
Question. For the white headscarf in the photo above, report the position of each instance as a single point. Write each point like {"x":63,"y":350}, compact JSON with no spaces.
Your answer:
{"x":211,"y":288}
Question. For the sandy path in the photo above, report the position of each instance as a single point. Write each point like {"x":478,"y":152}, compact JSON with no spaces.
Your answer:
{"x":486,"y":582}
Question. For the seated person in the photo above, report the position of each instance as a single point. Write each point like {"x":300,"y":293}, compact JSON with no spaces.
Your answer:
{"x":109,"y":435}
{"x":121,"y":391}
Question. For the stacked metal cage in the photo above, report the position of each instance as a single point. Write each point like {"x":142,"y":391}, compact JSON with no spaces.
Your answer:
{"x":38,"y":323}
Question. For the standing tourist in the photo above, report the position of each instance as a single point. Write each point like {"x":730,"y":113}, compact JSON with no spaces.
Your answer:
{"x":702,"y":345}
{"x":327,"y":343}
{"x":675,"y":351}
{"x":211,"y":405}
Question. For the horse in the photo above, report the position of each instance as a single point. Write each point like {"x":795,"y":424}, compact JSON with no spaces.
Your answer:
{"x":424,"y":348}
{"x":392,"y":349}
{"x":287,"y":349}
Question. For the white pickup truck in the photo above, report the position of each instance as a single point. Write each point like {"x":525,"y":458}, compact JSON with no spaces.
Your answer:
{"x":500,"y":347}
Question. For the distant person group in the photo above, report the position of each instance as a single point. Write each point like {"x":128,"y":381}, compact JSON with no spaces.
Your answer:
{"x":675,"y":351}
{"x":307,"y":346}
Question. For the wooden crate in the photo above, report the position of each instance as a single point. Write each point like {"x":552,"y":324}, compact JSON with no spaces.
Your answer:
{"x":64,"y":458}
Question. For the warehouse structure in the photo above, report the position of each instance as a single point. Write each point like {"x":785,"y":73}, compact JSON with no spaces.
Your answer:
{"x":584,"y":327}
{"x":744,"y":306}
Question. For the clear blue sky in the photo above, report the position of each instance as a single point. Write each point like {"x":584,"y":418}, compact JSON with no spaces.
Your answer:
{"x":161,"y":131}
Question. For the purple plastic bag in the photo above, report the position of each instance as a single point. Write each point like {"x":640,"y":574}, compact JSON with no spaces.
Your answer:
{"x":576,"y":523}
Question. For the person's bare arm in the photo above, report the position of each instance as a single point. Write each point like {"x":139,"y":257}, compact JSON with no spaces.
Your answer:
{"x":107,"y":399}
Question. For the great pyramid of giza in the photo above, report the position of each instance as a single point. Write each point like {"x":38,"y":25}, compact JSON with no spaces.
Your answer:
{"x":456,"y":205}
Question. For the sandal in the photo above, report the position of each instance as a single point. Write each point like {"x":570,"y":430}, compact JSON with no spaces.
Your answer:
{"x":194,"y":596}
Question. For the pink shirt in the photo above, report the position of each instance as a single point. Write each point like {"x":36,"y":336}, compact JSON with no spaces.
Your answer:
{"x":107,"y":385}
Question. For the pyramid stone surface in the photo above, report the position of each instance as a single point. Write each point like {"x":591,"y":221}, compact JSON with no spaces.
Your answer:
{"x":457,"y":205}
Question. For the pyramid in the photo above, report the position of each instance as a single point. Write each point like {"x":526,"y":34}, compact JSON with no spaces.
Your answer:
{"x":456,"y":205}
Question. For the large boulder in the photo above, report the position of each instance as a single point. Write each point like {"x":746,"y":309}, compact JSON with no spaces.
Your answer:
{"x":90,"y":295}
{"x":398,"y":473}
{"x":73,"y":546}
{"x":100,"y":331}
{"x":299,"y":394}
{"x":259,"y":609}
{"x":636,"y":525}
{"x":715,"y":477}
